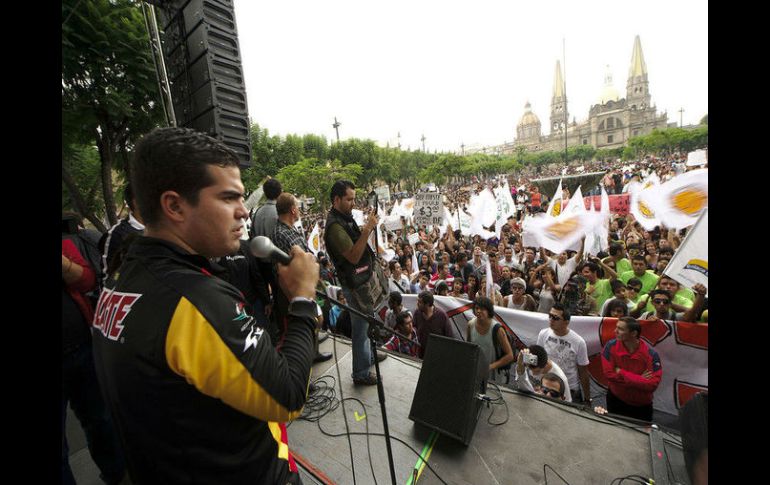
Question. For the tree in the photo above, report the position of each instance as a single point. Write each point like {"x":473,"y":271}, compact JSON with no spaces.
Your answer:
{"x":109,"y":90}
{"x":314,"y":178}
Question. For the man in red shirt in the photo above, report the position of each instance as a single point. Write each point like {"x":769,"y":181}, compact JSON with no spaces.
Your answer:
{"x":633,"y":371}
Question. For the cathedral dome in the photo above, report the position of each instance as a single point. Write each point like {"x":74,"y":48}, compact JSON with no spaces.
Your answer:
{"x":529,"y":118}
{"x":609,"y":93}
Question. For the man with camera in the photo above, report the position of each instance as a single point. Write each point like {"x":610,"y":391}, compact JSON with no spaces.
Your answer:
{"x":533,"y":365}
{"x":361,"y":277}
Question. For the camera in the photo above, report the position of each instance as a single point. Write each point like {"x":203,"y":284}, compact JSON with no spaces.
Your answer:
{"x":529,"y":359}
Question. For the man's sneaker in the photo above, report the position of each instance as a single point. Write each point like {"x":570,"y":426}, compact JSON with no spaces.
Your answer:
{"x":322,"y":336}
{"x":370,"y":380}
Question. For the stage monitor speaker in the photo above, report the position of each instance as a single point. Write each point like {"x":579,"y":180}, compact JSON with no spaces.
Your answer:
{"x":693,"y":419}
{"x":453,"y":373}
{"x":203,"y":65}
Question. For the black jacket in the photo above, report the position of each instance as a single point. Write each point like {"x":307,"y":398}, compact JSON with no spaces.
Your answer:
{"x":196,"y":389}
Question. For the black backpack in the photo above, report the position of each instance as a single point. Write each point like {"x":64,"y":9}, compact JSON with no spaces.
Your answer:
{"x":499,"y":350}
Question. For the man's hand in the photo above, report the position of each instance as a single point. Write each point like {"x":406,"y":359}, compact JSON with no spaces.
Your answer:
{"x":301,"y":276}
{"x":371,"y":222}
{"x":699,"y":289}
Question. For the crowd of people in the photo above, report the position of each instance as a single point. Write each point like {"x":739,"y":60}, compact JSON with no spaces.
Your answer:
{"x":173,"y":270}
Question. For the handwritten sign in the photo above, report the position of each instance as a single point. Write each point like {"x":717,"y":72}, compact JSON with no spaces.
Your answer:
{"x":428,"y":208}
{"x":619,"y":204}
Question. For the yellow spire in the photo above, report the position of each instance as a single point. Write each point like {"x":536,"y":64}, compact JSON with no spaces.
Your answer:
{"x":638,"y":67}
{"x":558,"y":82}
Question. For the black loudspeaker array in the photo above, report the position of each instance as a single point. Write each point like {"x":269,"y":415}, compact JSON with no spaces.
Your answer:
{"x":453,"y":373}
{"x":203,"y":65}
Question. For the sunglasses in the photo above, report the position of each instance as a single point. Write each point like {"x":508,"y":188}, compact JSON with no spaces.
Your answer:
{"x":631,"y":288}
{"x":551,"y":316}
{"x":549,"y":392}
{"x":658,"y":301}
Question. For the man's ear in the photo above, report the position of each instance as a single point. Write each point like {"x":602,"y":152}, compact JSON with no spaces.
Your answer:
{"x":173,"y":206}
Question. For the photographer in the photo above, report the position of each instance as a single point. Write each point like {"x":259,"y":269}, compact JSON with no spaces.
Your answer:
{"x":533,"y":365}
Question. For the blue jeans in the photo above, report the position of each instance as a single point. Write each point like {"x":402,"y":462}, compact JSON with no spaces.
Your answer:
{"x":362,"y":351}
{"x":81,"y":389}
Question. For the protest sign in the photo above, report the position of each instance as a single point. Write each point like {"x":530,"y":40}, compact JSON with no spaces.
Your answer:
{"x":428,"y":208}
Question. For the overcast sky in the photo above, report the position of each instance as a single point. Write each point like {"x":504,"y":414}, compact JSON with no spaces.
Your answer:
{"x":459,"y":72}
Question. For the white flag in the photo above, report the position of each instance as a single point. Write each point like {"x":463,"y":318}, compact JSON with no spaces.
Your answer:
{"x":489,"y":281}
{"x":314,"y":241}
{"x":483,"y":211}
{"x":557,"y":203}
{"x":505,"y":207}
{"x":696,"y":158}
{"x":575,"y":205}
{"x":641,"y":200}
{"x":564,"y":232}
{"x":679,"y":202}
{"x":690,"y":264}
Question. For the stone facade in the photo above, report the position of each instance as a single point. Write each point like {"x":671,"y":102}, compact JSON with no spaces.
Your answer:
{"x":610,"y":124}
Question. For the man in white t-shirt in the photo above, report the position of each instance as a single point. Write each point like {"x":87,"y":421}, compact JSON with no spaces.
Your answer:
{"x":398,"y":280}
{"x":562,"y":265}
{"x":568,"y":350}
{"x":529,"y":376}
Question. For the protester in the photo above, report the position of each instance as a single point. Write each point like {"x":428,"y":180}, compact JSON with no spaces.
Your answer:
{"x":530,"y":377}
{"x":428,"y":319}
{"x":633,"y":371}
{"x":481,"y":331}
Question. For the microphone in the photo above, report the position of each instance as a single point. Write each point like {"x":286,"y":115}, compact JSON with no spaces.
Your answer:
{"x":263,"y":247}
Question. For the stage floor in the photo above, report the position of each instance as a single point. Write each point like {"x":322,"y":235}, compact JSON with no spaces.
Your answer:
{"x":577,"y":444}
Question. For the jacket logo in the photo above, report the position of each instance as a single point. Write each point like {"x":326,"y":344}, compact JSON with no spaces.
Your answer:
{"x":252,"y":339}
{"x":112,"y":309}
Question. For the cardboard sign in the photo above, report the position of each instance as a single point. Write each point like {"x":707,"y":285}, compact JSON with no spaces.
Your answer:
{"x":428,"y":208}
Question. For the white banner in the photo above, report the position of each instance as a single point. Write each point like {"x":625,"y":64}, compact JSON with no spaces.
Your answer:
{"x":383,"y":193}
{"x":414,"y":238}
{"x":563,"y":232}
{"x":683,"y":347}
{"x":505,"y":207}
{"x":690,"y":264}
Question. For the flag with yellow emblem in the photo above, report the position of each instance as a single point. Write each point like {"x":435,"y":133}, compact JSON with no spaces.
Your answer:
{"x":690,"y":264}
{"x":640,"y":207}
{"x":314,"y":241}
{"x":679,"y":202}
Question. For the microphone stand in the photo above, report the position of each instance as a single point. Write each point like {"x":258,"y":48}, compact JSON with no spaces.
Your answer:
{"x":374,"y":324}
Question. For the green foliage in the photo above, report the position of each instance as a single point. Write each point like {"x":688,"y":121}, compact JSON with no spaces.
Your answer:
{"x":705,"y":119}
{"x":314,"y":178}
{"x":109,"y":90}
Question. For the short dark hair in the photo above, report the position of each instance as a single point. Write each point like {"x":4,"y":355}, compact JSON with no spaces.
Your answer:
{"x":542,"y":355}
{"x":615,"y":249}
{"x":392,"y":264}
{"x":638,"y":257}
{"x":462,"y":256}
{"x":486,"y":304}
{"x":174,"y":159}
{"x":395,"y":296}
{"x":272,"y":188}
{"x":426,"y":298}
{"x":633,"y":325}
{"x":616,"y":284}
{"x":564,"y":312}
{"x":670,"y":278}
{"x":285,"y":203}
{"x":634,"y":281}
{"x":592,"y":267}
{"x":401,"y":317}
{"x":340,"y":188}
{"x":661,"y":291}
{"x":441,"y":286}
{"x":550,"y":376}
{"x":615,"y":303}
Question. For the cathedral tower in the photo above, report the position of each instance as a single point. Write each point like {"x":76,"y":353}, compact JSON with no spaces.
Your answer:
{"x":559,"y":113}
{"x":637,"y":87}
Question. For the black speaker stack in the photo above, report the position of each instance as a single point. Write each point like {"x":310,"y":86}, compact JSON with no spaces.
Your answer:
{"x":203,"y":65}
{"x":453,"y":374}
